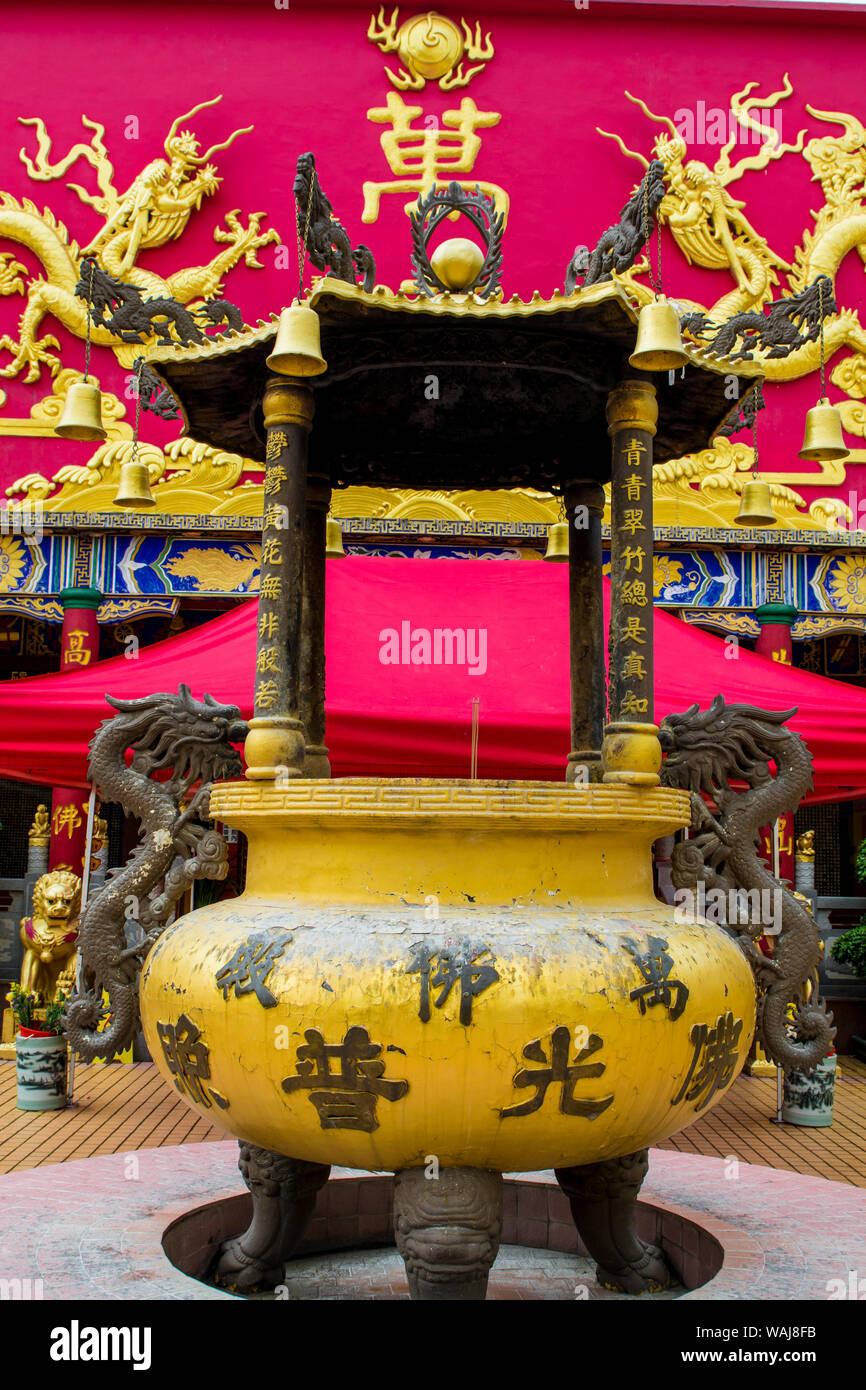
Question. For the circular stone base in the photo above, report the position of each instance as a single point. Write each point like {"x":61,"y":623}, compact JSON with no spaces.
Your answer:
{"x":518,"y":1273}
{"x":94,"y":1228}
{"x":348,"y":1247}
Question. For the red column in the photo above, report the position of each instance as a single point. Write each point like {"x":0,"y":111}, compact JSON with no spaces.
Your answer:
{"x":79,"y":646}
{"x":774,"y":641}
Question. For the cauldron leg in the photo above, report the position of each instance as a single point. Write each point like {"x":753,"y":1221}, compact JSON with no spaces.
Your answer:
{"x":448,"y":1229}
{"x":603,"y":1197}
{"x":284,"y":1194}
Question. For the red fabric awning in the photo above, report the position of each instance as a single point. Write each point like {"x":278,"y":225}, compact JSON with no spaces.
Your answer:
{"x":414,"y":719}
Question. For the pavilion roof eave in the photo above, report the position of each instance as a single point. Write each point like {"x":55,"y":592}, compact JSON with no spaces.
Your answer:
{"x":219,"y":383}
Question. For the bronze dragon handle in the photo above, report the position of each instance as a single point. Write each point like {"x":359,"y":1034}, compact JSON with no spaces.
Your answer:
{"x":194,"y":740}
{"x":722,"y":756}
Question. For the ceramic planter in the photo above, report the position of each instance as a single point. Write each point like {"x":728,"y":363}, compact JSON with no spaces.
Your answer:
{"x":41,"y":1070}
{"x":808,"y":1100}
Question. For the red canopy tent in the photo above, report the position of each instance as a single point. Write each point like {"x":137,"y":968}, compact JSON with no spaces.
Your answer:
{"x":390,"y":715}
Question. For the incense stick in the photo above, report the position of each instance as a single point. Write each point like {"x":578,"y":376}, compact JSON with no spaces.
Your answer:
{"x":473,"y":757}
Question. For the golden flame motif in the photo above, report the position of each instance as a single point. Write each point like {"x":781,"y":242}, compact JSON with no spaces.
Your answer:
{"x":431,"y":47}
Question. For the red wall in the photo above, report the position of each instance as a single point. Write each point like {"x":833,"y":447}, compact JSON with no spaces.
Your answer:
{"x":305,"y":77}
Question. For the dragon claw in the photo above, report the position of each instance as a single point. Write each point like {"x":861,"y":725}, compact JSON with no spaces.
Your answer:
{"x":131,"y":952}
{"x":32,"y":354}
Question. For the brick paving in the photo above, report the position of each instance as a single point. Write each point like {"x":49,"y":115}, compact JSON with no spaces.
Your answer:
{"x":121,"y":1108}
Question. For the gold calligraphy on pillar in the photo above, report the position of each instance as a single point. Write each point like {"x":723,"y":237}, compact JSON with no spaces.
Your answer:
{"x":633,"y":526}
{"x":270,"y":685}
{"x":66,"y":819}
{"x":77,"y":652}
{"x":276,"y":444}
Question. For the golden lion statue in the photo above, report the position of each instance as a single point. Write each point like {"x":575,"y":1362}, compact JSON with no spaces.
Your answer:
{"x":50,"y":936}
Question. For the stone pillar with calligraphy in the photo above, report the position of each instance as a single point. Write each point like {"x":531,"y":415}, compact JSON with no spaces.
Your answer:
{"x":631,"y":749}
{"x":79,"y":647}
{"x":584,"y":505}
{"x":276,"y":744}
{"x":775,"y":642}
{"x":312,"y":655}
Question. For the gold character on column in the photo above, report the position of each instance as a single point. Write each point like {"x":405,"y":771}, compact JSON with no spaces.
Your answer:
{"x":267,"y":660}
{"x":77,"y":652}
{"x":632,"y":705}
{"x":633,"y":667}
{"x":633,"y":631}
{"x":274,"y":478}
{"x":67,"y":818}
{"x":634,"y":591}
{"x":632,"y":486}
{"x":635,"y":553}
{"x":277,"y":442}
{"x":267,"y":695}
{"x":633,"y":454}
{"x":272,"y":586}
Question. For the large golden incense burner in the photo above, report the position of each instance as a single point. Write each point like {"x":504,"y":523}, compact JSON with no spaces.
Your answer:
{"x":542,"y":1018}
{"x":450,"y":979}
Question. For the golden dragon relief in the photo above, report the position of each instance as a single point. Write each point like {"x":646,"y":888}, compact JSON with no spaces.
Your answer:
{"x":712,"y":231}
{"x":153,"y":211}
{"x":709,"y":226}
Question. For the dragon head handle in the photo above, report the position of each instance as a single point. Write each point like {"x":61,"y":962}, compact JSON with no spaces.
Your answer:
{"x":722,"y":756}
{"x":708,"y":749}
{"x":193,"y":737}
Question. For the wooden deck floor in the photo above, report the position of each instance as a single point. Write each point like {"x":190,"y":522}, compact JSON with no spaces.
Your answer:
{"x":740,"y":1127}
{"x":119,"y":1108}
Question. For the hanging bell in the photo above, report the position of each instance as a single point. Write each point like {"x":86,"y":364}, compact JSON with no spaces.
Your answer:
{"x":133,"y":490}
{"x":298,"y":348}
{"x":334,"y":540}
{"x":756,"y":506}
{"x":557,"y":543}
{"x":823,"y":438}
{"x":82,"y":413}
{"x":659,"y":345}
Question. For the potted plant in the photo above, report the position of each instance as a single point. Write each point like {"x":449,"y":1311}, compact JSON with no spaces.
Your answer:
{"x":850,"y":948}
{"x":40,"y":1050}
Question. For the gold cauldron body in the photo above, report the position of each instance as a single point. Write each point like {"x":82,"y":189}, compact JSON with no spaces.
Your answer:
{"x":474,"y":971}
